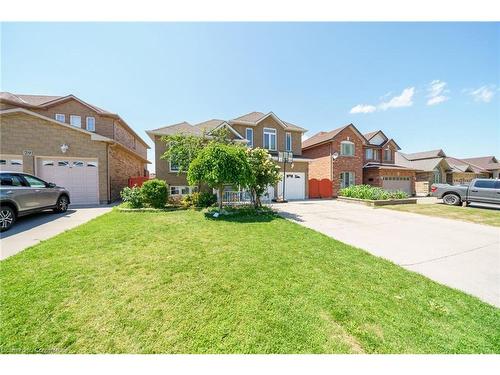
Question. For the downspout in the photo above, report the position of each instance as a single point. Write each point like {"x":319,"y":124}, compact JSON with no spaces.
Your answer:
{"x":107,"y":172}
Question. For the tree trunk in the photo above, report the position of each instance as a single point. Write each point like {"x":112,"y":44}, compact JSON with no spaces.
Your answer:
{"x":221,"y":190}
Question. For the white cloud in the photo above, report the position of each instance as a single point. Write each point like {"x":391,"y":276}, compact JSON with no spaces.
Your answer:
{"x":436,"y":90}
{"x":483,"y":94}
{"x":363,"y":108}
{"x":403,"y":100}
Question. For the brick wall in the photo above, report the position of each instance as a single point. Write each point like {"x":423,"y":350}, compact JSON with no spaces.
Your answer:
{"x":122,"y":165}
{"x":163,"y":168}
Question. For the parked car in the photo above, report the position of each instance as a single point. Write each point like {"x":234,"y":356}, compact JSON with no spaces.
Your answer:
{"x":479,"y":190}
{"x":22,"y":194}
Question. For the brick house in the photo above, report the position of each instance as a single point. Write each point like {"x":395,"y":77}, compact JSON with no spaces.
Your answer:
{"x":344,"y":157}
{"x":62,"y":139}
{"x":255,"y":129}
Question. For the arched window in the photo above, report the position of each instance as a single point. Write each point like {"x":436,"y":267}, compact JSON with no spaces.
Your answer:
{"x":346,"y":148}
{"x":437,"y":175}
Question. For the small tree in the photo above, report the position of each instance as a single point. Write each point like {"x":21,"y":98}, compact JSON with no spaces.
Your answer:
{"x":218,"y":165}
{"x":265,"y":172}
{"x":182,"y":149}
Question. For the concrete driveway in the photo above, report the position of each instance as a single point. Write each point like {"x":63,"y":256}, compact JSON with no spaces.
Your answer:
{"x":32,"y":229}
{"x":461,"y":255}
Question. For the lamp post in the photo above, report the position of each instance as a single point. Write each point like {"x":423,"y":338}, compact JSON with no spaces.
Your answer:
{"x":335,"y":155}
{"x":285,"y":157}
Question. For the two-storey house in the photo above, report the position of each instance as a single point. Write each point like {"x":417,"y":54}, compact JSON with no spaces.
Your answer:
{"x":255,"y":129}
{"x":65,"y":140}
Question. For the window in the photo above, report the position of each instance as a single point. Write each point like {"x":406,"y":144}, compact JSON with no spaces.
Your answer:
{"x":173,"y":167}
{"x":3,"y":162}
{"x":346,"y":179}
{"x":249,"y":136}
{"x":16,"y":162}
{"x":375,"y":154}
{"x":486,"y":184}
{"x":92,"y":164}
{"x":60,"y":117}
{"x":346,"y":148}
{"x":63,"y":163}
{"x":78,"y":164}
{"x":437,"y":176}
{"x":34,"y":182}
{"x":369,"y":154}
{"x":288,"y":141}
{"x":270,"y":139}
{"x":11,"y":180}
{"x":75,"y":121}
{"x":183,"y":190}
{"x":387,"y":154}
{"x":48,"y":163}
{"x":91,"y":124}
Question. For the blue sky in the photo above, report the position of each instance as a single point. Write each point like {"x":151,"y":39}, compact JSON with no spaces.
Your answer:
{"x":427,"y":85}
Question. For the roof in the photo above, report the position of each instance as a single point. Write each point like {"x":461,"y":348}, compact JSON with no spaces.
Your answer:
{"x":425,"y":155}
{"x":370,"y":135}
{"x":180,"y":128}
{"x":210,"y":124}
{"x":43,"y":101}
{"x":326,"y":136}
{"x":374,"y":165}
{"x":485,"y":162}
{"x":256,"y":117}
{"x":426,"y":165}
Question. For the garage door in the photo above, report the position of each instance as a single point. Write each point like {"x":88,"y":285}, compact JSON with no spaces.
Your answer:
{"x":79,"y":176}
{"x":392,"y":183}
{"x":12,"y":163}
{"x":295,"y":186}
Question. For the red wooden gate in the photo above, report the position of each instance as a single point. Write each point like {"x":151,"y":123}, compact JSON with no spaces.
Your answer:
{"x":320,"y":189}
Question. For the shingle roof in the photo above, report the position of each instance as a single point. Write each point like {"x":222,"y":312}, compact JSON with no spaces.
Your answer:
{"x":28,"y":99}
{"x":485,"y":162}
{"x":426,"y":165}
{"x":209,"y":125}
{"x":370,"y":134}
{"x":182,"y":127}
{"x":254,"y":117}
{"x":322,"y":136}
{"x":426,"y":155}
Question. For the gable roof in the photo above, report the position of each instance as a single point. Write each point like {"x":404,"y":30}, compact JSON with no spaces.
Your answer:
{"x":44,"y":101}
{"x":458,"y":165}
{"x":484,"y":162}
{"x":253,"y":118}
{"x":182,"y":127}
{"x":210,"y":124}
{"x":327,"y":136}
{"x":426,"y":165}
{"x":370,"y":135}
{"x":426,"y":155}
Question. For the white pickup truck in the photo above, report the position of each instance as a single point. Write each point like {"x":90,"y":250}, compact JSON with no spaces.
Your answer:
{"x":479,"y":190}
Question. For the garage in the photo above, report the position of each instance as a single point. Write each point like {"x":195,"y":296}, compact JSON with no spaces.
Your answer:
{"x":79,"y":176}
{"x":295,"y":186}
{"x":12,"y":163}
{"x":393,"y":183}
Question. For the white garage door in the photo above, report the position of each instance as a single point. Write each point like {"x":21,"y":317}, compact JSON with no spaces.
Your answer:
{"x":79,"y":176}
{"x":12,"y":163}
{"x":393,"y":183}
{"x":295,"y":186}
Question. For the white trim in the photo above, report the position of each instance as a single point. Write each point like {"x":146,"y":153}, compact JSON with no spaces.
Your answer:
{"x":180,"y":187}
{"x":286,"y":136}
{"x":230,"y":128}
{"x":87,"y":118}
{"x":63,"y":117}
{"x":275,"y":139}
{"x":348,"y":143}
{"x":71,"y":117}
{"x":93,"y":136}
{"x":170,"y":167}
{"x":275,"y":158}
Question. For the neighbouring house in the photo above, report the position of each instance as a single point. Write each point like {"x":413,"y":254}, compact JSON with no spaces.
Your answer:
{"x":65,"y":140}
{"x":488,"y":163}
{"x":368,"y":159}
{"x":255,"y":129}
{"x":436,"y":167}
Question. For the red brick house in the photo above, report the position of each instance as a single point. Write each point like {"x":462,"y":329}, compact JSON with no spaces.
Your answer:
{"x":344,"y":157}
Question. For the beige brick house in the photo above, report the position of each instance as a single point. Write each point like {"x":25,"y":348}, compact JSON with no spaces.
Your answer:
{"x":64,"y":140}
{"x":255,"y":129}
{"x":344,"y":157}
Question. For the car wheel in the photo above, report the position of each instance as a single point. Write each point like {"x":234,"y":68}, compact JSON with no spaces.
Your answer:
{"x":7,"y":218}
{"x":451,"y":200}
{"x":62,"y":204}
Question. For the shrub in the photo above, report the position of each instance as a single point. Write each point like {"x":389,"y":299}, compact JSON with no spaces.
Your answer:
{"x":155,"y":193}
{"x":133,"y":196}
{"x":371,"y":192}
{"x":201,"y":200}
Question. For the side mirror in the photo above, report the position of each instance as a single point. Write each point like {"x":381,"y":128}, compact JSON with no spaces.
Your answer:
{"x":51,"y":185}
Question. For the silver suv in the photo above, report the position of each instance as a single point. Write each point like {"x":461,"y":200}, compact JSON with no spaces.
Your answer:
{"x":22,"y":194}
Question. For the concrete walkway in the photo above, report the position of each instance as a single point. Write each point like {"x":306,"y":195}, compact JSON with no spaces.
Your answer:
{"x":461,"y":255}
{"x":30,"y":230}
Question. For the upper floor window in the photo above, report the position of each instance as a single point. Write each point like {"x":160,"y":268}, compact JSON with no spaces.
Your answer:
{"x":347,"y":148}
{"x":369,"y":154}
{"x":387,"y":154}
{"x":249,"y":136}
{"x":75,"y":121}
{"x":60,"y":117}
{"x":91,"y":124}
{"x":173,"y":167}
{"x":270,"y":139}
{"x":288,"y":142}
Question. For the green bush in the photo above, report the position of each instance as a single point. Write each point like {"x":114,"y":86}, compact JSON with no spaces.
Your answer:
{"x":371,"y":193}
{"x":155,"y":193}
{"x":133,"y":196}
{"x":200,"y":200}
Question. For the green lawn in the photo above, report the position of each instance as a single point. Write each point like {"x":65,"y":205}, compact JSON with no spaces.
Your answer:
{"x":178,"y":282}
{"x":488,"y":216}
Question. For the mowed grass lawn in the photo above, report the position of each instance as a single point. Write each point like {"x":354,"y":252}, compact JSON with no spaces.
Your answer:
{"x":178,"y":282}
{"x":479,"y":215}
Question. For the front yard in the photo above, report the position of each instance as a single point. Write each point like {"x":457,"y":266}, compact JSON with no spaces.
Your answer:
{"x":178,"y":282}
{"x":488,"y":216}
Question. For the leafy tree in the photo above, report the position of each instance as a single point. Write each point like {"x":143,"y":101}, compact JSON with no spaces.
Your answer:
{"x":182,"y":149}
{"x":265,"y":172}
{"x":218,"y":165}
